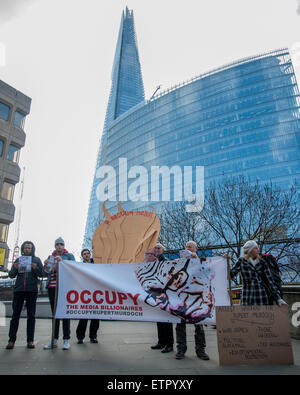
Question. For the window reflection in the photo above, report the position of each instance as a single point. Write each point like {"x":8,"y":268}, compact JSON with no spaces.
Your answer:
{"x":4,"y":111}
{"x":7,"y":191}
{"x":13,"y":153}
{"x":19,"y":119}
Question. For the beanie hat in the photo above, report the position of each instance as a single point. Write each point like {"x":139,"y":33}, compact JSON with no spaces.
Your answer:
{"x":59,"y":241}
{"x":249,"y":245}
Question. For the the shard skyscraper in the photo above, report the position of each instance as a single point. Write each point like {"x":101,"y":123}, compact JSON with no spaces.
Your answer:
{"x":127,"y":90}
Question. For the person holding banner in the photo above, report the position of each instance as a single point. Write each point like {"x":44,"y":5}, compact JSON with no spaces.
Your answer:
{"x":50,"y":269}
{"x":26,"y":269}
{"x":257,"y":281}
{"x":200,"y":342}
{"x":94,"y":324}
{"x":164,"y":329}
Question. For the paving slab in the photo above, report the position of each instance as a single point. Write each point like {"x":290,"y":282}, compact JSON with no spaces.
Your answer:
{"x":123,"y":349}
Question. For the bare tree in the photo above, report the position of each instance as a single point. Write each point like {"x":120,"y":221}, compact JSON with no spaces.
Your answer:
{"x":179,"y":226}
{"x":235,"y":211}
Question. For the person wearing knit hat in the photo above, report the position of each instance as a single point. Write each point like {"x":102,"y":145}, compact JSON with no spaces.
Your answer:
{"x":60,"y":253}
{"x":59,"y":241}
{"x":257,"y":282}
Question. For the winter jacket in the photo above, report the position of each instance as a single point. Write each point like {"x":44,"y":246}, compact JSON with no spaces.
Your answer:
{"x":27,"y":282}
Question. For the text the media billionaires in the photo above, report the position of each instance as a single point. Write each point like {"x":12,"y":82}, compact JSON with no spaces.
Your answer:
{"x":184,"y":290}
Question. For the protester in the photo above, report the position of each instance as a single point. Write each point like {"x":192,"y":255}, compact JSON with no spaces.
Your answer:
{"x":276,"y":274}
{"x":200,"y":342}
{"x":258,"y":285}
{"x":25,"y":289}
{"x":94,"y":324}
{"x":164,"y":329}
{"x":60,"y":253}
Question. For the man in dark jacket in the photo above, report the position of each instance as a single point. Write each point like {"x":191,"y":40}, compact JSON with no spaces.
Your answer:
{"x":164,"y":329}
{"x":94,"y":324}
{"x":25,"y":289}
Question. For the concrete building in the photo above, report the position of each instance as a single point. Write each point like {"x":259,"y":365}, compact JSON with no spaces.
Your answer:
{"x":14,"y":107}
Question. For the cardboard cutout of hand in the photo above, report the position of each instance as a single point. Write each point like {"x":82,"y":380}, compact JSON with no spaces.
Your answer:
{"x":125,"y":236}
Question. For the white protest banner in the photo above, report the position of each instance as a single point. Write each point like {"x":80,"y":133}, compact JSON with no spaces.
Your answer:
{"x":184,"y":290}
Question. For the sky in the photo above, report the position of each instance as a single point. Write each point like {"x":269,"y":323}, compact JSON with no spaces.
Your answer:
{"x":60,"y":54}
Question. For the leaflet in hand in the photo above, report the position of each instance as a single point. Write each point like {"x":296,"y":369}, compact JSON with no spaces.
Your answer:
{"x":24,"y":264}
{"x":185,"y":254}
{"x":50,"y":264}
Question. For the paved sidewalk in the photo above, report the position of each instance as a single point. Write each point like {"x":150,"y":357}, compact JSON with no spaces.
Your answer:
{"x":123,"y":349}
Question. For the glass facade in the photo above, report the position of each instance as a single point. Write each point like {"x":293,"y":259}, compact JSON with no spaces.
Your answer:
{"x":241,"y":119}
{"x":127,"y":90}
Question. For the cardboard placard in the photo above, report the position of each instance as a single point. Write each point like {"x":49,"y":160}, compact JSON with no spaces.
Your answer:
{"x":254,"y":335}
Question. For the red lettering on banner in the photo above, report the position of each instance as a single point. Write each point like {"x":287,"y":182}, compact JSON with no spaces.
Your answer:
{"x":95,"y":297}
{"x":99,"y":297}
{"x":121,"y":297}
{"x":134,"y":298}
{"x":107,"y":297}
{"x":76,"y":296}
{"x":82,"y":295}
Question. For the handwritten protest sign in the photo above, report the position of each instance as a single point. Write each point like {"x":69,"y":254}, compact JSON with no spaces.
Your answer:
{"x":253,"y":335}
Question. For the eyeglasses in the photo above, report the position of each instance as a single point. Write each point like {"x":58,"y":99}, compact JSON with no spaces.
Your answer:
{"x":60,"y":244}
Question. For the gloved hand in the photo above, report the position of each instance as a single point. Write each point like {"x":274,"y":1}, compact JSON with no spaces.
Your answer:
{"x":281,"y":302}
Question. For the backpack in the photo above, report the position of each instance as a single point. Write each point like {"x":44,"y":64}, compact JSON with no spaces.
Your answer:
{"x":274,"y":270}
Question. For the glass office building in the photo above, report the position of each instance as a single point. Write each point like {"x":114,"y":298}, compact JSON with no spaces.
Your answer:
{"x":239,"y":119}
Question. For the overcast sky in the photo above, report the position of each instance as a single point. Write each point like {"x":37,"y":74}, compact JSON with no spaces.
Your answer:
{"x":60,"y":53}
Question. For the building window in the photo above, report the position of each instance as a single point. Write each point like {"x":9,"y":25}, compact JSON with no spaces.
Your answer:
{"x":7,"y":191}
{"x":3,"y":232}
{"x":1,"y":147}
{"x":4,"y":111}
{"x":19,"y":119}
{"x":13,"y":153}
